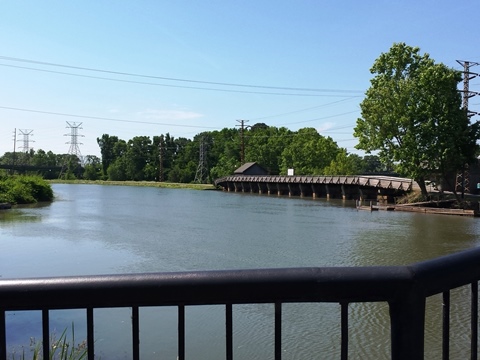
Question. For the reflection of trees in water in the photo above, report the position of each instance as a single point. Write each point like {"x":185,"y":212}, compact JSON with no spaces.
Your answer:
{"x":18,"y":216}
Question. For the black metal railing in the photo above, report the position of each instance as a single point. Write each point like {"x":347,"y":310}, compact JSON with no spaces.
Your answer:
{"x":404,"y":288}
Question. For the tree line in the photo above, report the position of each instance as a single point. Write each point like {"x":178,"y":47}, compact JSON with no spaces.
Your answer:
{"x":412,"y":120}
{"x":219,"y":152}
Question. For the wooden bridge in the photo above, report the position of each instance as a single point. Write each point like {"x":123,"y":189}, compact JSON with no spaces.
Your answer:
{"x":381,"y":188}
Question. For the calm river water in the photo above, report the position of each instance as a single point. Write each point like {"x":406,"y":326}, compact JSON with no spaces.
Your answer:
{"x":92,"y":229}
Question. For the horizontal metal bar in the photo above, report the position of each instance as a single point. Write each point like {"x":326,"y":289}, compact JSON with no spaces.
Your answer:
{"x":217,"y":287}
{"x":329,"y":284}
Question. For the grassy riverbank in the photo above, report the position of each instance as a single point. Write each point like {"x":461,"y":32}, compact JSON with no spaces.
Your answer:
{"x":138,"y":183}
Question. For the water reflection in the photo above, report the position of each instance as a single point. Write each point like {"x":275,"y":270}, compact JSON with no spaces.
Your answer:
{"x":91,"y":229}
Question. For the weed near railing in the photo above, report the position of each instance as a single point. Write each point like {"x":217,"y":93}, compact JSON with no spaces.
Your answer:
{"x":60,"y":349}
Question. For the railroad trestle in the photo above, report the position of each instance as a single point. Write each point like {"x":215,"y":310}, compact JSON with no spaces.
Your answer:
{"x":379,"y":188}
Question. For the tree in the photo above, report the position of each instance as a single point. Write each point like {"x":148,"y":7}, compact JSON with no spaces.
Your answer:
{"x":308,"y":153}
{"x":412,"y":115}
{"x":265,"y":144}
{"x":344,"y":164}
{"x":372,"y":165}
{"x":137,"y":157}
{"x":93,"y":168}
{"x":107,"y":144}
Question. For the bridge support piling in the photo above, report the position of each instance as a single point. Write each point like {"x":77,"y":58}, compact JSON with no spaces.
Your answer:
{"x":302,"y":193}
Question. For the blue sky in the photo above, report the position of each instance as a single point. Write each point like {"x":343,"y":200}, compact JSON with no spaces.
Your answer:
{"x":304,"y":63}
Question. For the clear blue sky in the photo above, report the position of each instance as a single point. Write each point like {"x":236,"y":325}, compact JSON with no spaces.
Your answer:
{"x":182,"y":47}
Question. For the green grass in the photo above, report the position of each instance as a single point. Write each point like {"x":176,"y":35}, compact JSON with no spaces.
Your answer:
{"x":60,"y":349}
{"x":138,"y":183}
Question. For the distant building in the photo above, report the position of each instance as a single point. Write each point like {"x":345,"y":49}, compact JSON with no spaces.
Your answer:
{"x":251,"y":168}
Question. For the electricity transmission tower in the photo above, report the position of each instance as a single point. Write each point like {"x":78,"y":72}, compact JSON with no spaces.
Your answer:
{"x":74,"y":144}
{"x":26,"y":139}
{"x":201,"y":174}
{"x":161,"y":146}
{"x":462,"y":182}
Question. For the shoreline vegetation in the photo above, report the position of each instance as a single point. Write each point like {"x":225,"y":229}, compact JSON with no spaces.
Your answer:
{"x":169,"y":185}
{"x":24,"y":189}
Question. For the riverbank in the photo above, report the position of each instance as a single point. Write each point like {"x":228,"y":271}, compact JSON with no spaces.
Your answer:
{"x":138,"y":183}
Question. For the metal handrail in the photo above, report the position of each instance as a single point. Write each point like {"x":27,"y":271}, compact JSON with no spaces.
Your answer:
{"x":404,"y":288}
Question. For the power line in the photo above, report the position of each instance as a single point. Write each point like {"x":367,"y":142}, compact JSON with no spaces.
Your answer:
{"x":306,"y":109}
{"x":174,"y":79}
{"x":172,"y":86}
{"x":104,"y":118}
{"x":320,"y":118}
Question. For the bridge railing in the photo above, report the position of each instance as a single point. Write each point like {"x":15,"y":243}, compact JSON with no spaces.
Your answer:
{"x":404,"y":288}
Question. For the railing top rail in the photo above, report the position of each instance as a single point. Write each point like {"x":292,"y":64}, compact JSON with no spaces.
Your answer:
{"x":206,"y":287}
{"x":326,"y":284}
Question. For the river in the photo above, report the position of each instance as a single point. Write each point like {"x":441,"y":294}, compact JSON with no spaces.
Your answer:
{"x":94,"y":229}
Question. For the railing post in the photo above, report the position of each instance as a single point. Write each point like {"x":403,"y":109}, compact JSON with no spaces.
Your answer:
{"x":407,"y":316}
{"x":3,"y":336}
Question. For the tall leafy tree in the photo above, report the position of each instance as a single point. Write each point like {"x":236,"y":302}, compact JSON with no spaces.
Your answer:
{"x":107,"y":144}
{"x":412,"y":115}
{"x":308,"y":153}
{"x":345,"y":164}
{"x":138,"y":157}
{"x":265,"y":144}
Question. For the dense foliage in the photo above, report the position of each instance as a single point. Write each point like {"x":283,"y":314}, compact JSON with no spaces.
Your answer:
{"x":412,"y":114}
{"x":24,"y":189}
{"x":165,"y":158}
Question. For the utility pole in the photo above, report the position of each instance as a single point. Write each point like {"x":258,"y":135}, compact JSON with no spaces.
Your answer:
{"x":242,"y":140}
{"x":462,"y":182}
{"x":160,"y":159}
{"x":12,"y":171}
{"x":201,"y":174}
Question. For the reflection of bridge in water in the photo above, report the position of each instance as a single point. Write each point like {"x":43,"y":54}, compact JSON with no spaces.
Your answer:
{"x":363,"y":187}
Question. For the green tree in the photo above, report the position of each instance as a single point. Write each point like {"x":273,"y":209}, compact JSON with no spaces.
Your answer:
{"x":137,"y":157}
{"x":107,"y":149}
{"x":224,"y":153}
{"x":308,"y":153}
{"x":372,"y":164}
{"x":92,"y":168}
{"x":412,"y":115}
{"x":265,"y":144}
{"x":345,"y":164}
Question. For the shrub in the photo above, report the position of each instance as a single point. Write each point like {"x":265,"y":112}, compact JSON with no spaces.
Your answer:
{"x":24,"y":190}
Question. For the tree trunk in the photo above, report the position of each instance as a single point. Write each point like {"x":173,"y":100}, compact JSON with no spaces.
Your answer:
{"x":423,"y":187}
